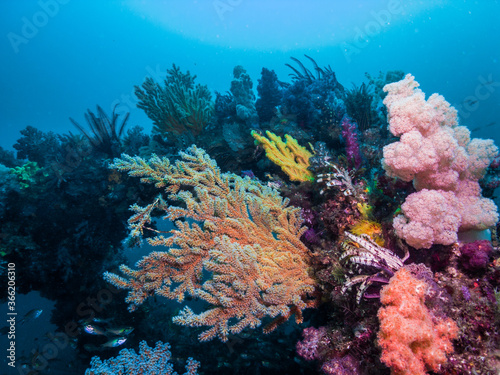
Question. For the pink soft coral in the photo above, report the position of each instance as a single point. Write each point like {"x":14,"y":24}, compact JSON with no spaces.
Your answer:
{"x":412,"y":339}
{"x":430,"y":216}
{"x":438,"y":155}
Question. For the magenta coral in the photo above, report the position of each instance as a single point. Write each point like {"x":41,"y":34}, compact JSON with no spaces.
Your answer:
{"x":476,"y":255}
{"x":346,"y":365}
{"x":308,"y":348}
{"x":350,"y":134}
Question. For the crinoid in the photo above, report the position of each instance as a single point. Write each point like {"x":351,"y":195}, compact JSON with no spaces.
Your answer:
{"x":342,"y":179}
{"x":306,"y":74}
{"x":364,"y":253}
{"x":106,"y":132}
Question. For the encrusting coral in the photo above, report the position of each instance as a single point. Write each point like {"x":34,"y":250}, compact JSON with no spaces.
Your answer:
{"x":289,"y":155}
{"x":239,"y":231}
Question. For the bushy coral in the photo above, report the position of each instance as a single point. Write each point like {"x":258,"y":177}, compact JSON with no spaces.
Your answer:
{"x":241,"y":233}
{"x":149,"y":361}
{"x":178,"y":106}
{"x":439,"y":155}
{"x":346,"y":365}
{"x":241,"y":88}
{"x":269,"y":95}
{"x":412,"y":339}
{"x":430,"y":217}
{"x":225,"y":107}
{"x":36,"y":146}
{"x":308,"y":347}
{"x":316,"y":99}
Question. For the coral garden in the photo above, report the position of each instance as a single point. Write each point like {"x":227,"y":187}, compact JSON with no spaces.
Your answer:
{"x":357,"y":228}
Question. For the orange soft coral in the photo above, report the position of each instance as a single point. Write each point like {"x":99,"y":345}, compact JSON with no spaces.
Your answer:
{"x":412,"y":339}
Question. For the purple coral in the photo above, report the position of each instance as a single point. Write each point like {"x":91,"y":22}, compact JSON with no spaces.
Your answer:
{"x":308,"y":348}
{"x":350,"y":134}
{"x":346,"y":365}
{"x":476,"y":255}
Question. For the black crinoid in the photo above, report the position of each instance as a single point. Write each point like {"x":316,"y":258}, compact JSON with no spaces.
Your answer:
{"x":358,"y":103}
{"x":106,"y":132}
{"x":306,"y":74}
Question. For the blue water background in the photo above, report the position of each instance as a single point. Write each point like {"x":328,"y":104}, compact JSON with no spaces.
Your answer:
{"x":61,"y":57}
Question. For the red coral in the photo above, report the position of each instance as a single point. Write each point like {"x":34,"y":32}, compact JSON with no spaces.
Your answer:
{"x":412,"y":339}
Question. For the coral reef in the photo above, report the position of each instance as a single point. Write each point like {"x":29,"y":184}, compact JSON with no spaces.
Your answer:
{"x":36,"y":146}
{"x":315,"y":99}
{"x":250,"y":228}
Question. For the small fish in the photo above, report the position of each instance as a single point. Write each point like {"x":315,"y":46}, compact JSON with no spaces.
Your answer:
{"x":31,"y":315}
{"x":93,"y":330}
{"x":481,"y":127}
{"x":115,"y":342}
{"x":470,"y":102}
{"x":102,"y":321}
{"x":123,"y":331}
